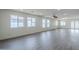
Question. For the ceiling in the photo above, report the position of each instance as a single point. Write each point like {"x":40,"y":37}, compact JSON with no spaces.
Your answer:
{"x":50,"y":12}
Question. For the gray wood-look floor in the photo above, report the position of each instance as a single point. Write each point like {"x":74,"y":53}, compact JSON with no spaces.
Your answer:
{"x":60,"y":39}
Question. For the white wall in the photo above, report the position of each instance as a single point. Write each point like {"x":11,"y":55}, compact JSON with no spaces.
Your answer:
{"x":1,"y":30}
{"x":7,"y":32}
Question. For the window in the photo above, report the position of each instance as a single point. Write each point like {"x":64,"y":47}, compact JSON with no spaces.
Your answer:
{"x":56,"y":22}
{"x":13,"y":21}
{"x":72,"y":24}
{"x":45,"y":23}
{"x":20,"y":21}
{"x":62,"y":23}
{"x":48,"y":23}
{"x":31,"y":22}
{"x":76,"y":24}
{"x":16,"y":21}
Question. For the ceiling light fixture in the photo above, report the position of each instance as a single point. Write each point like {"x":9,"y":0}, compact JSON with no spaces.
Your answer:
{"x":55,"y":16}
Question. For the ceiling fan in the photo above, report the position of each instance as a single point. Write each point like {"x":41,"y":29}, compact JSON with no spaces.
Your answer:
{"x":55,"y":13}
{"x":55,"y":16}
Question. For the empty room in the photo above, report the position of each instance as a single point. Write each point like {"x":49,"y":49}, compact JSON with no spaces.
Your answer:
{"x":39,"y":29}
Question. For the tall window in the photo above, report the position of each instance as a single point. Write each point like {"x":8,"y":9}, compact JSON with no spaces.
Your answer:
{"x":45,"y":23}
{"x":20,"y":21}
{"x":31,"y":22}
{"x":13,"y":21}
{"x":72,"y":24}
{"x":62,"y":23}
{"x":48,"y":23}
{"x":16,"y":21}
{"x":76,"y":24}
{"x":56,"y":22}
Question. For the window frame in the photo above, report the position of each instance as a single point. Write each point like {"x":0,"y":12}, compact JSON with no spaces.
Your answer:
{"x":12,"y":19}
{"x":19,"y":21}
{"x":32,"y":22}
{"x":45,"y":23}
